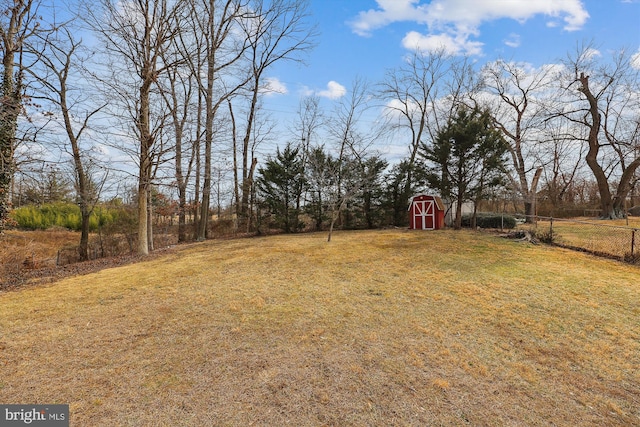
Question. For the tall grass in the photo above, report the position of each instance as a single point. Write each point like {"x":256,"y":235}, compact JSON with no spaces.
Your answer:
{"x":65,"y":215}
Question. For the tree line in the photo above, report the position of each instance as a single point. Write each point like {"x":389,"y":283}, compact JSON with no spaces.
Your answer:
{"x":178,"y":88}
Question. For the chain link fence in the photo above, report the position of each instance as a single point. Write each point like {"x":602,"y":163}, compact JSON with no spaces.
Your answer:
{"x":612,"y":241}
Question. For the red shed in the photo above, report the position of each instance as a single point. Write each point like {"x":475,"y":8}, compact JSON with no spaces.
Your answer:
{"x":426,"y":212}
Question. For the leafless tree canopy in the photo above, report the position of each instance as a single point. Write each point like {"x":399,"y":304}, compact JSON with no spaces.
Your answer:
{"x":179,"y":89}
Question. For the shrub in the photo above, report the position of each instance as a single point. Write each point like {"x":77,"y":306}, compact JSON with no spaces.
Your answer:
{"x":223,"y":227}
{"x":28,"y":217}
{"x":488,"y":220}
{"x":545,"y":236}
{"x":65,"y":215}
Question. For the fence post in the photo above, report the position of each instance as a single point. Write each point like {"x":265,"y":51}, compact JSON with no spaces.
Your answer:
{"x":633,"y":240}
{"x":551,"y":229}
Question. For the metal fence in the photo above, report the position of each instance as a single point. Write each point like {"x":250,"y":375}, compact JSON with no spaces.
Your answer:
{"x":596,"y":237}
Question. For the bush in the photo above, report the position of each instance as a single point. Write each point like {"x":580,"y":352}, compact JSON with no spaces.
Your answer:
{"x":487,"y":220}
{"x":545,"y":236}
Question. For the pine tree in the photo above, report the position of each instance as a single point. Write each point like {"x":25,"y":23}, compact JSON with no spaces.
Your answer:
{"x":280,"y":184}
{"x":467,"y":159}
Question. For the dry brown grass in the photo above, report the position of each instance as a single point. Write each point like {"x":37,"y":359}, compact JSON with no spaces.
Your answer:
{"x":38,"y":245}
{"x":376,"y":328}
{"x":35,"y":249}
{"x":607,"y":237}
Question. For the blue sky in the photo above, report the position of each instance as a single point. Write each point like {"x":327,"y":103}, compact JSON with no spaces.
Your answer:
{"x":367,"y":37}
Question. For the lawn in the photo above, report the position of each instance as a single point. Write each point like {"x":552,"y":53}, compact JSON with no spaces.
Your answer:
{"x":613,"y":238}
{"x":375,"y":328}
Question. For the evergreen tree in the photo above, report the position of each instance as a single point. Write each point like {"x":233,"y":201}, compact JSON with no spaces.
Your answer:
{"x":397,"y":192}
{"x":372,"y":192}
{"x":319,"y":178}
{"x":467,"y":158}
{"x":280,"y":184}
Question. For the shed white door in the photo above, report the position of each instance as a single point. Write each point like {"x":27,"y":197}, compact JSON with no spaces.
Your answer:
{"x":424,"y":214}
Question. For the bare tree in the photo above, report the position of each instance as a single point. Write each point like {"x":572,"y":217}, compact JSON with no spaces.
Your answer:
{"x":61,"y":62}
{"x":261,"y":131}
{"x":411,"y":93}
{"x":309,"y":120}
{"x":420,"y":97}
{"x":277,"y":32}
{"x":608,"y":109}
{"x":353,"y":142}
{"x":137,"y":33}
{"x":18,"y":22}
{"x":562,"y":159}
{"x":215,"y":59}
{"x":180,"y":93}
{"x":518,"y":112}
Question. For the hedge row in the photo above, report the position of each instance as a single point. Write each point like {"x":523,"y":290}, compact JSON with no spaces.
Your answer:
{"x":490,"y":221}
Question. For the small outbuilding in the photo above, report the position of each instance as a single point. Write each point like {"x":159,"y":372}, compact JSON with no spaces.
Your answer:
{"x":426,"y":212}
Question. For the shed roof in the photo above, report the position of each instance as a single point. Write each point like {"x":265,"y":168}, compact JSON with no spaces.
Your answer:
{"x":438,"y":200}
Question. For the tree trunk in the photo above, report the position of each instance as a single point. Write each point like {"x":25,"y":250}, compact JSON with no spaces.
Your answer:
{"x":531,"y":198}
{"x":208,"y":129}
{"x":181,"y":184}
{"x":9,"y":109}
{"x":13,"y":38}
{"x":236,"y":180}
{"x":474,"y":216}
{"x":197,"y":153}
{"x":143,"y":243}
{"x":144,"y":177}
{"x":247,"y":188}
{"x":319,"y":213}
{"x":606,"y":200}
{"x":458,"y":221}
{"x":150,"y":220}
{"x":247,"y":171}
{"x":334,"y":217}
{"x":182,"y":217}
{"x":206,"y":200}
{"x":83,"y":249}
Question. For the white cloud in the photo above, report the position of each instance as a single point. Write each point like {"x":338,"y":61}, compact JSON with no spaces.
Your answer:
{"x":453,"y":22}
{"x":390,"y":11}
{"x":448,"y":44}
{"x":306,"y":91}
{"x":334,"y":91}
{"x":513,"y":40}
{"x":273,"y":86}
{"x":590,"y":54}
{"x":635,"y":60}
{"x":395,"y":109}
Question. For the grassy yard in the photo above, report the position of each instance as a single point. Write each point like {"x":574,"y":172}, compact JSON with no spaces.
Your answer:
{"x":614,"y":238}
{"x":375,"y":328}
